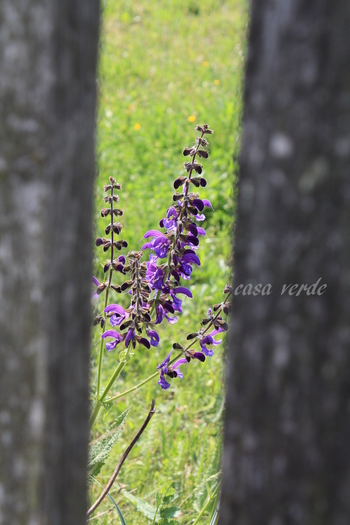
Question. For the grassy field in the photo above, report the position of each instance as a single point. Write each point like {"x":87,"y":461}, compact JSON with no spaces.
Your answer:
{"x":164,"y":66}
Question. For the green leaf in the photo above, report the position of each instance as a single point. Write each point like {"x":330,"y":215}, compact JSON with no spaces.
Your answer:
{"x":141,"y":506}
{"x":100,"y":449}
{"x":169,"y":512}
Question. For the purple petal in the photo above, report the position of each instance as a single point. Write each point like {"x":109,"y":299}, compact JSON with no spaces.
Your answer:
{"x":163,"y":383}
{"x":116,"y":321}
{"x":112,"y":333}
{"x":154,"y":337}
{"x":95,"y":281}
{"x":153,"y":233}
{"x":200,"y":217}
{"x":115,"y":308}
{"x":147,"y":245}
{"x":129,"y":336}
{"x":121,"y":259}
{"x":111,"y":346}
{"x":200,"y":356}
{"x":182,"y":289}
{"x":201,"y":231}
{"x":99,"y":241}
{"x":181,"y":361}
{"x":166,"y":361}
{"x":218,"y":331}
{"x":207,"y":203}
{"x":191,"y":257}
{"x":172,"y":320}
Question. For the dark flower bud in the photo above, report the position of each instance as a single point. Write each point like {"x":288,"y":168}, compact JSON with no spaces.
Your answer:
{"x":125,"y":324}
{"x":99,"y":241}
{"x":111,"y":179}
{"x":198,"y":168}
{"x":177,"y":346}
{"x":188,"y":166}
{"x":199,"y":128}
{"x":126,"y":285}
{"x":193,"y":240}
{"x":161,"y":223}
{"x":106,"y":246}
{"x":208,"y":131}
{"x":107,"y":187}
{"x":115,"y":198}
{"x":118,"y":212}
{"x":198,"y":203}
{"x":143,"y":341}
{"x":106,"y":266}
{"x":120,"y":244}
{"x":117,"y":227}
{"x":177,"y":196}
{"x":117,"y":186}
{"x":97,"y":320}
{"x":191,"y":336}
{"x":202,"y":141}
{"x":116,"y":288}
{"x":203,"y":182}
{"x":179,"y":181}
{"x":105,"y":212}
{"x":203,"y":154}
{"x":217,"y":307}
{"x":107,"y":229}
{"x":192,"y":210}
{"x":101,"y":288}
{"x":205,"y":321}
{"x":187,"y":151}
{"x":102,"y":321}
{"x":228,"y":288}
{"x":196,"y":181}
{"x":226,"y":308}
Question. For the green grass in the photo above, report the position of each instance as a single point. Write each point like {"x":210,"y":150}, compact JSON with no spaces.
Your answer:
{"x":161,"y":62}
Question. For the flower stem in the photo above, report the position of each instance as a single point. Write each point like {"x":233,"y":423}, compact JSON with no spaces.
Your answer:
{"x":100,"y":355}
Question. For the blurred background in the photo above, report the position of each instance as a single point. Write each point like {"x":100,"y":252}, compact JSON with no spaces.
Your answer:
{"x":164,"y":66}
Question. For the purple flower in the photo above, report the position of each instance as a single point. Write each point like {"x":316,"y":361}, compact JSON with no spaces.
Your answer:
{"x":161,"y":313}
{"x":208,"y":340}
{"x":153,"y":336}
{"x":115,"y":335}
{"x":96,"y":283}
{"x":171,"y":371}
{"x":168,"y":222}
{"x":163,"y":367}
{"x":129,"y":336}
{"x":119,"y":314}
{"x":160,"y":244}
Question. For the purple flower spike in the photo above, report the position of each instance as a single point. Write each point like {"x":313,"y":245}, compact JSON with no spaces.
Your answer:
{"x":115,"y":335}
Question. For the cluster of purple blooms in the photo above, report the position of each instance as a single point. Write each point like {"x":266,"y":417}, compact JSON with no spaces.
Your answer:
{"x":155,"y":285}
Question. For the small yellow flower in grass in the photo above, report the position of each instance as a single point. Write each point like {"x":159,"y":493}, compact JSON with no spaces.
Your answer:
{"x":205,"y":63}
{"x":137,"y":126}
{"x":191,"y":118}
{"x":216,"y":82}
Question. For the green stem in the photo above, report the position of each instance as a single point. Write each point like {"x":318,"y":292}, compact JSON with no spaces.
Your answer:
{"x":113,"y":378}
{"x":139,"y":385}
{"x":210,"y":499}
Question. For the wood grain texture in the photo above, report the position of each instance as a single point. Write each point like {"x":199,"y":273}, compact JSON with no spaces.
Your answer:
{"x":287,"y":429}
{"x":48,"y":55}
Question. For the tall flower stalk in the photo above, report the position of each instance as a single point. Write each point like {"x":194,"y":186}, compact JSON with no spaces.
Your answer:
{"x":156,"y":285}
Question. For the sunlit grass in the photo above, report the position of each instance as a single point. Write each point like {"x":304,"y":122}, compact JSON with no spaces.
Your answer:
{"x":164,"y":66}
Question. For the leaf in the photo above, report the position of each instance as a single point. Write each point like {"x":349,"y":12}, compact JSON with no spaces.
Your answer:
{"x":170,"y":512}
{"x":141,"y":506}
{"x":100,"y":449}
